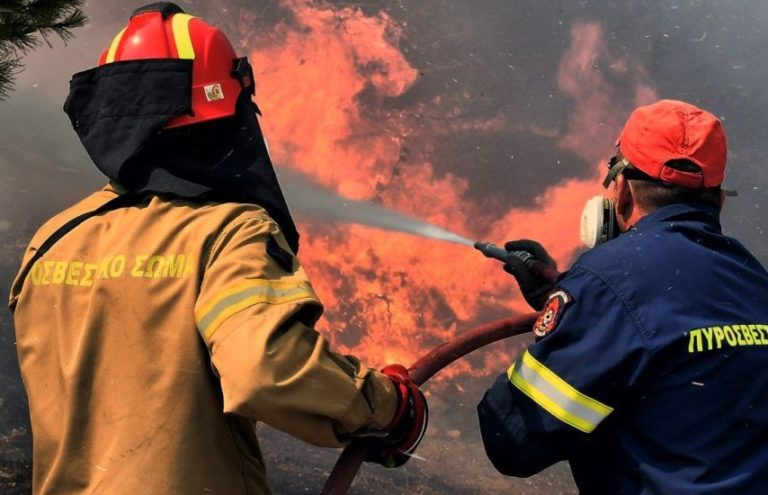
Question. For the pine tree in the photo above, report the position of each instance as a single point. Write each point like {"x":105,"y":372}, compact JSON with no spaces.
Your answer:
{"x":25,"y":24}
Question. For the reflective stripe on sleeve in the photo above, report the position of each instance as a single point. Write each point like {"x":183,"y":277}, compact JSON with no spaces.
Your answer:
{"x":555,"y":395}
{"x":233,"y":299}
{"x":113,"y":47}
{"x":180,"y":27}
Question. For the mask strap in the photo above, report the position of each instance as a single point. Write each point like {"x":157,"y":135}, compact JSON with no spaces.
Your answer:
{"x":614,"y":171}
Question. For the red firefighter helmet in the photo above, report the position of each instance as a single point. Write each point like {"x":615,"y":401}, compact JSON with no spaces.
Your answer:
{"x":162,"y":30}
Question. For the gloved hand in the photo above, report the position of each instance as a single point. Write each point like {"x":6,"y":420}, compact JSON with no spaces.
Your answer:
{"x":535,"y":287}
{"x":408,"y":426}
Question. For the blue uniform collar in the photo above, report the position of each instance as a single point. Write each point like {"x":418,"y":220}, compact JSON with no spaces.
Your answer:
{"x":682,"y":212}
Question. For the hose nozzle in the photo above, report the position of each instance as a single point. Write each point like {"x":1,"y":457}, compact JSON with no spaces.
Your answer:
{"x":491,"y":250}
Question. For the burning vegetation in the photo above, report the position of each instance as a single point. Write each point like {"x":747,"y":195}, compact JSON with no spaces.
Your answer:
{"x":335,"y":85}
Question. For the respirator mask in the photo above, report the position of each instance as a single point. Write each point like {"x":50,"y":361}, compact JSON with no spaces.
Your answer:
{"x":598,"y":222}
{"x":598,"y":219}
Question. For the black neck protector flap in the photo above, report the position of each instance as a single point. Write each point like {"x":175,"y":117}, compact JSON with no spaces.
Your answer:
{"x":116,"y":108}
{"x":118,"y":111}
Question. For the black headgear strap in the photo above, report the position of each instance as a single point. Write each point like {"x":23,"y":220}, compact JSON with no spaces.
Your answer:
{"x":166,"y":9}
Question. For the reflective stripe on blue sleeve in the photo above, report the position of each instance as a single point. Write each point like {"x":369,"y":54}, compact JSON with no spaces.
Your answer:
{"x":555,"y":395}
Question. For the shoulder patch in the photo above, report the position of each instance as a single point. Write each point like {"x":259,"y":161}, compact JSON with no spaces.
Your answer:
{"x":550,"y":315}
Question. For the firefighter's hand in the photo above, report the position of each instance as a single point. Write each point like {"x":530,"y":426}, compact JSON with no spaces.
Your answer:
{"x":408,"y":426}
{"x":535,"y":287}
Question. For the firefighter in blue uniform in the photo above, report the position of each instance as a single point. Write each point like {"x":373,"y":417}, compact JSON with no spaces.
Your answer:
{"x":649,"y":369}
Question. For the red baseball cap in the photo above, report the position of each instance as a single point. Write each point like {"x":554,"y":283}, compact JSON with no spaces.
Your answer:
{"x":673,"y":130}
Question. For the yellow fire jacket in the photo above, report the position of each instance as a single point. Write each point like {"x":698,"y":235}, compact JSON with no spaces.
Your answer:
{"x":152,"y":337}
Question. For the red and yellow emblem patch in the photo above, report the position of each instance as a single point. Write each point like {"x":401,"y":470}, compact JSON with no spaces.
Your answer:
{"x":550,"y":315}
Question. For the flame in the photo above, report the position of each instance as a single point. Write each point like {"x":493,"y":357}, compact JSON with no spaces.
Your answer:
{"x":324,"y":78}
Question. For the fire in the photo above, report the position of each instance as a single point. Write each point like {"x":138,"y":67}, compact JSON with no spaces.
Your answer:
{"x":391,"y":297}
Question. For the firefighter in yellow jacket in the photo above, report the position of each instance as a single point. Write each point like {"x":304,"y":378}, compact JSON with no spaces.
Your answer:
{"x":162,"y":316}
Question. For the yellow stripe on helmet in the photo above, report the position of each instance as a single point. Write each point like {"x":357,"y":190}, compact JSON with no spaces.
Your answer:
{"x":113,"y":47}
{"x":180,"y":27}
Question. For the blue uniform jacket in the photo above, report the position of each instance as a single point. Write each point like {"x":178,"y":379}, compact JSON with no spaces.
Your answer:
{"x":653,"y":377}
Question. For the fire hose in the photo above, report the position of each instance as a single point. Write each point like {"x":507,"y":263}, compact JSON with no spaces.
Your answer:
{"x":352,"y":457}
